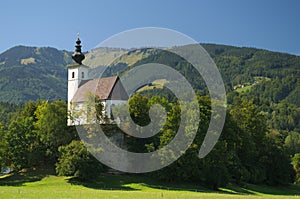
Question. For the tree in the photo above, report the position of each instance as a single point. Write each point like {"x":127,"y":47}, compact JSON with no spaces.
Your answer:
{"x":2,"y":148}
{"x":75,"y":160}
{"x":292,"y":143}
{"x":252,"y":129}
{"x":296,"y":166}
{"x":22,"y":146}
{"x":276,"y":163}
{"x":139,"y":108}
{"x":260,"y":152}
{"x":50,"y":126}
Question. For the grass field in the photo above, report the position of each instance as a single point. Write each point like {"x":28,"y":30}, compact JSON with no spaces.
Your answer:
{"x":39,"y":185}
{"x":155,"y":84}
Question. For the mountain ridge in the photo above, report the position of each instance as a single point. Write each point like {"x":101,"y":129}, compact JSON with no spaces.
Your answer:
{"x":30,"y":73}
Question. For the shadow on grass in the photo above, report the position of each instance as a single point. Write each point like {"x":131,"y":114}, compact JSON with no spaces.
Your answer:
{"x":24,"y":176}
{"x":274,"y":190}
{"x":135,"y":183}
{"x":139,"y":182}
{"x":178,"y":186}
{"x":106,"y":182}
{"x":251,"y":189}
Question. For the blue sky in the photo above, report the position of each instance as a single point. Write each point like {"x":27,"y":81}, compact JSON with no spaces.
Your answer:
{"x":267,"y":24}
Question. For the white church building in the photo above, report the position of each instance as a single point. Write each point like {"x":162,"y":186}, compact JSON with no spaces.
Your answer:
{"x":109,"y":90}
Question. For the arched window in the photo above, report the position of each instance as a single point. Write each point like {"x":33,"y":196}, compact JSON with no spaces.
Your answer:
{"x":73,"y":74}
{"x":82,"y":75}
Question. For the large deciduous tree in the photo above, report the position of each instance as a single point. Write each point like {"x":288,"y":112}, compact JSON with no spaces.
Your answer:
{"x":50,"y":126}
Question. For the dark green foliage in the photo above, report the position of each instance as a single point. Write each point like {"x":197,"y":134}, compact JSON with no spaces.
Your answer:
{"x":276,"y":90}
{"x":7,"y":111}
{"x":285,"y":117}
{"x":245,"y":152}
{"x":34,"y":134}
{"x":75,"y":160}
{"x":276,"y":163}
{"x":292,"y":143}
{"x":2,"y":147}
{"x":22,"y":147}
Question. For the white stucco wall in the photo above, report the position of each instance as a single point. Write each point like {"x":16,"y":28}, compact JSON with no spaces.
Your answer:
{"x":80,"y":112}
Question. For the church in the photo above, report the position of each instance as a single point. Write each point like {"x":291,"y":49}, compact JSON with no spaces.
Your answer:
{"x":109,"y":90}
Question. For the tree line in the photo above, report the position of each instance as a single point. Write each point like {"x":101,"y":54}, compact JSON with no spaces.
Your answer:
{"x":248,"y":151}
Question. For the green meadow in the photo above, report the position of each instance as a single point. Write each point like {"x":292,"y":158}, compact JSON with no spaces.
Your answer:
{"x":36,"y":184}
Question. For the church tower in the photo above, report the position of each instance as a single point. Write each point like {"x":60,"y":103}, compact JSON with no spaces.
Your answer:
{"x":77,"y":73}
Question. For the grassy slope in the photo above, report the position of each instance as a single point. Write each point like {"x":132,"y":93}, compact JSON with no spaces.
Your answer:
{"x":155,"y":84}
{"x":41,"y":185}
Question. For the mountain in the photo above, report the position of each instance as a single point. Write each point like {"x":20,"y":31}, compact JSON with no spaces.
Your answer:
{"x":259,"y":73}
{"x":29,"y":73}
{"x":102,"y":56}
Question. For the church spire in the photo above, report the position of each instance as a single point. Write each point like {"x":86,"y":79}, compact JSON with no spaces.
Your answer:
{"x":78,"y":56}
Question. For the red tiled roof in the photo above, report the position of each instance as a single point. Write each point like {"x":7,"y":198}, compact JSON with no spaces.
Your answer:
{"x":102,"y":87}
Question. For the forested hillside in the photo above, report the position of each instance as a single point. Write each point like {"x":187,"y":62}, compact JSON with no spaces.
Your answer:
{"x":270,"y":79}
{"x":30,"y":73}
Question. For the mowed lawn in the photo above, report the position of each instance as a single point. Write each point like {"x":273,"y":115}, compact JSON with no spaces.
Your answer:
{"x":127,"y":187}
